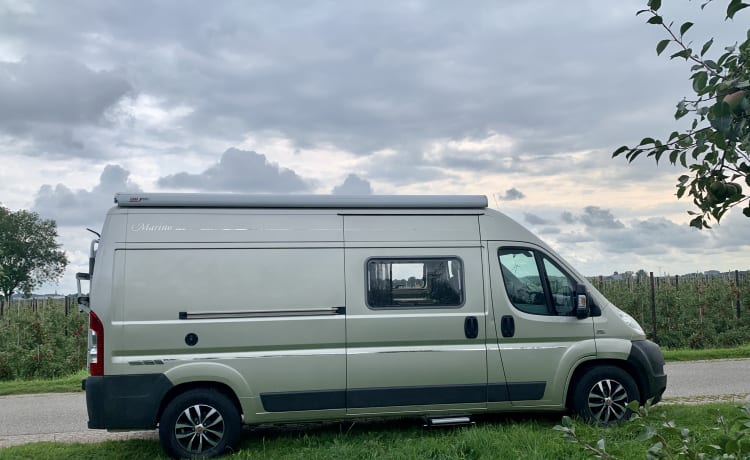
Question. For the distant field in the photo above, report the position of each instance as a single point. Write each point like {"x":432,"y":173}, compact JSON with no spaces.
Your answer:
{"x":694,"y":311}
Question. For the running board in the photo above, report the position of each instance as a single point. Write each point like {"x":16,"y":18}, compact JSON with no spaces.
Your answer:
{"x":448,"y":421}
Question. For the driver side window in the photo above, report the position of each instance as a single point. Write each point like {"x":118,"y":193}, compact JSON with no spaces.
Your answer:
{"x":535,"y":284}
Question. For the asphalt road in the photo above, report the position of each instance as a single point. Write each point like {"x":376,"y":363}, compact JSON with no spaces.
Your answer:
{"x":62,"y":416}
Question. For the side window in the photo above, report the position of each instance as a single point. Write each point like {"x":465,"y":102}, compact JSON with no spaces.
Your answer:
{"x":535,"y":284}
{"x":562,"y":288}
{"x":415,"y":283}
{"x":522,"y":281}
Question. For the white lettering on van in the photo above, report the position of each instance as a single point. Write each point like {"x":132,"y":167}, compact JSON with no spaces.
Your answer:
{"x":143,"y":227}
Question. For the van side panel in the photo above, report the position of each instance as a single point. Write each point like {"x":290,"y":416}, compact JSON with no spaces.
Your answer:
{"x":229,"y":296}
{"x":272,"y":317}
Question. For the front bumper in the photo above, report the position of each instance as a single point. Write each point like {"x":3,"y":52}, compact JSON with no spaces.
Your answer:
{"x":648,"y":361}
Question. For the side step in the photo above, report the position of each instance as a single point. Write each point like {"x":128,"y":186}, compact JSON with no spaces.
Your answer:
{"x":448,"y":421}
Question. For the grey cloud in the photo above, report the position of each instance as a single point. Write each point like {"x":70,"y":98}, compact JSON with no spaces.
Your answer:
{"x":575,"y":238}
{"x":467,"y":162}
{"x":596,"y":217}
{"x":568,"y":217}
{"x":55,"y":90}
{"x":376,"y":81}
{"x":656,"y":235}
{"x":83,"y":207}
{"x":239,"y":171}
{"x":534,"y":219}
{"x":403,"y":168}
{"x":512,"y":194}
{"x":353,"y":185}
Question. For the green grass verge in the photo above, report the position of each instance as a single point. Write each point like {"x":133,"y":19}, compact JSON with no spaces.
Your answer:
{"x":73,"y":383}
{"x":67,"y":384}
{"x":742,"y":351}
{"x":496,"y":437}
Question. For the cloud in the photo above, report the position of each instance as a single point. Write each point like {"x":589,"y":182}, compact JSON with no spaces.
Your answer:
{"x":596,"y":217}
{"x":55,"y":90}
{"x":568,"y":217}
{"x":239,"y":171}
{"x":83,"y":207}
{"x":534,"y":219}
{"x":512,"y":194}
{"x":353,"y":185}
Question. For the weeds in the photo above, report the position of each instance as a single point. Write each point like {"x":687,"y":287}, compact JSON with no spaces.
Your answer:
{"x":662,"y":438}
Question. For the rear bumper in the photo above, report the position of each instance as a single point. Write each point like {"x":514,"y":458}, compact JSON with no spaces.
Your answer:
{"x":125,"y":402}
{"x":648,"y":361}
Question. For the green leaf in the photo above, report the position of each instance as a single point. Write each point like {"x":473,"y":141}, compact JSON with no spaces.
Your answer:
{"x":673,"y":157}
{"x":685,"y":27}
{"x":655,"y":20}
{"x":706,"y":46}
{"x":699,"y":150}
{"x":697,"y":222}
{"x":699,"y":81}
{"x":657,"y":154}
{"x":733,"y":7}
{"x":633,"y":154}
{"x":646,"y":140}
{"x":661,"y":46}
{"x":682,"y":53}
{"x":620,"y":150}
{"x":654,"y":4}
{"x":683,"y":161}
{"x":648,"y":433}
{"x":710,"y":64}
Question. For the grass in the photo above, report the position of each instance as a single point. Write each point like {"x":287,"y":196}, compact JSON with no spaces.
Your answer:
{"x":73,"y":383}
{"x":67,"y":384}
{"x":742,"y":351}
{"x":493,"y":437}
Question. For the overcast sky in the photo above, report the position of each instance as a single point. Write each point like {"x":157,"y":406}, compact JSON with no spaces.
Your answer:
{"x":522,"y":101}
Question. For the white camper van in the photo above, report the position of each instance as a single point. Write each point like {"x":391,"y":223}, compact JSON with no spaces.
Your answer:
{"x":208,"y":311}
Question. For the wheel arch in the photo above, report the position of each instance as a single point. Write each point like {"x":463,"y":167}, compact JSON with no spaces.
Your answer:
{"x":585,"y":366}
{"x":177,"y":390}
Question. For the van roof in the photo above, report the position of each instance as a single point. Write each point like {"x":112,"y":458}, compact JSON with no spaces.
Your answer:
{"x":232,"y":200}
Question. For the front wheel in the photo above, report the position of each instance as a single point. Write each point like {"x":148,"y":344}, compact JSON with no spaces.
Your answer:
{"x":601,"y":395}
{"x":200,"y":423}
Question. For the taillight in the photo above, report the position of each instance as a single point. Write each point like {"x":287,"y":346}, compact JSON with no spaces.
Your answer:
{"x":96,"y":352}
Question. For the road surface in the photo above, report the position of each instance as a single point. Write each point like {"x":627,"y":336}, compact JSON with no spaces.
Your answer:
{"x":62,"y":416}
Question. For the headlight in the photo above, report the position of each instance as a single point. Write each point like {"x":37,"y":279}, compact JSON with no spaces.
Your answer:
{"x":630,"y":321}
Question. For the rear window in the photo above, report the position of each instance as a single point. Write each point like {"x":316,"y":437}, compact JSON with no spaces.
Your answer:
{"x":415,"y":282}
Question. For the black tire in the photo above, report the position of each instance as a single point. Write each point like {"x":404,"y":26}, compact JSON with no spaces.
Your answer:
{"x":200,"y":423}
{"x":601,"y":395}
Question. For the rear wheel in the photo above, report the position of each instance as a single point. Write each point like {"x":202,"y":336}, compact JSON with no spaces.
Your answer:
{"x":601,"y":395}
{"x":200,"y":423}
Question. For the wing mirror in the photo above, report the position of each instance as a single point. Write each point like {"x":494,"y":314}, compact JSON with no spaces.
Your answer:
{"x":582,"y":302}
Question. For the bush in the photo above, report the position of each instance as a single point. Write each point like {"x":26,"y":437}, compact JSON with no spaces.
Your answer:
{"x":39,"y":340}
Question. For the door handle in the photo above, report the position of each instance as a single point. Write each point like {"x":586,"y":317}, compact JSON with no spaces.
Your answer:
{"x":507,"y":326}
{"x":471,"y":327}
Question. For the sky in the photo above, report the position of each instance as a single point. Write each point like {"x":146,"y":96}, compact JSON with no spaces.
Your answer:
{"x":521,"y":101}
